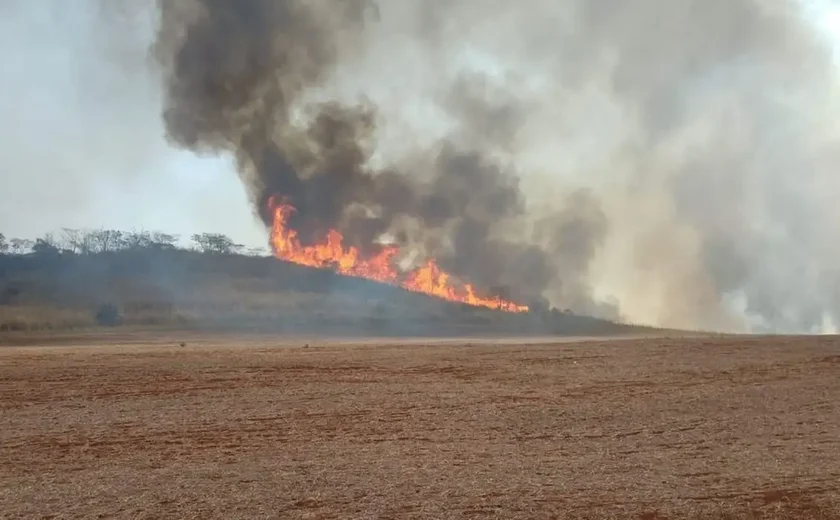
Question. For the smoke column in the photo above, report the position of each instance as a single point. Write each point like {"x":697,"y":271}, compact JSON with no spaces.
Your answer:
{"x":670,"y":163}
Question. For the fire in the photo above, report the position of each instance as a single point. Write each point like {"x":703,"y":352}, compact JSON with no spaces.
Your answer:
{"x":331,"y":253}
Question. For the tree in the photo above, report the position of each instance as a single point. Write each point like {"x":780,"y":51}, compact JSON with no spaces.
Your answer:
{"x":46,"y":245}
{"x":4,"y":245}
{"x":148,"y":240}
{"x":104,"y":240}
{"x":163,"y":240}
{"x":20,"y":246}
{"x":108,"y":315}
{"x":215,"y":243}
{"x":136,"y":240}
{"x":76,"y":241}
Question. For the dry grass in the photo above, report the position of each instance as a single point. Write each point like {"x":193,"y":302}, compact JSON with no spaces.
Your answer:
{"x":151,"y":312}
{"x":139,"y":427}
{"x":183,"y":288}
{"x":43,"y":317}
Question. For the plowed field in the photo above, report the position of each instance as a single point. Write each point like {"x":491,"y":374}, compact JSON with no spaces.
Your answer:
{"x":256,"y":428}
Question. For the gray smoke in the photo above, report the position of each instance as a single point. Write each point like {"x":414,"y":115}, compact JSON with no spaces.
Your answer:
{"x":670,"y":163}
{"x":237,"y":76}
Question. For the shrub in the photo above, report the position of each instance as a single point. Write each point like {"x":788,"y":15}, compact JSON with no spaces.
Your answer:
{"x":108,"y":315}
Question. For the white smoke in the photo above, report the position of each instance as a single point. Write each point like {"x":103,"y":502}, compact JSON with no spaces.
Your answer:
{"x":705,"y":130}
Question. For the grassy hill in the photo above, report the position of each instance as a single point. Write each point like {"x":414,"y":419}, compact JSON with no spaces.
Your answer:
{"x":179,"y":288}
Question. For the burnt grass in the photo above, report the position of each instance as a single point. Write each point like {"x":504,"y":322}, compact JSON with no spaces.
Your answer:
{"x":187,"y":289}
{"x":231,"y":426}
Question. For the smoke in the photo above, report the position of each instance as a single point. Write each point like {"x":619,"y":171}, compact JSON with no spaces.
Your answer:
{"x":670,"y":163}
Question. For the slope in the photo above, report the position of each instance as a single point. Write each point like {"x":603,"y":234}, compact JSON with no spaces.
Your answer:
{"x":178,"y":288}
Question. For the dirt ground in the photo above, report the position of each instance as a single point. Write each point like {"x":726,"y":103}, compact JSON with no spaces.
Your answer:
{"x":259,"y":428}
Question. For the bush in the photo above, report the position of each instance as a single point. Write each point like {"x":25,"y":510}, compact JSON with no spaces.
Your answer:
{"x":108,"y":315}
{"x":377,"y":321}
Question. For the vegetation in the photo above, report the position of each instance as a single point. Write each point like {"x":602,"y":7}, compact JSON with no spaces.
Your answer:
{"x":79,"y":279}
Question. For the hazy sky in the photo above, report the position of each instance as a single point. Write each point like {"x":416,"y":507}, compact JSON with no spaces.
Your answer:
{"x":83,"y":143}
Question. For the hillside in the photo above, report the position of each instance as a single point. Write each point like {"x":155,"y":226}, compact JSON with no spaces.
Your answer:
{"x":180,"y":288}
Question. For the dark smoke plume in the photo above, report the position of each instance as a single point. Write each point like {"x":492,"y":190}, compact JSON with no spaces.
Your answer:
{"x":235,"y":73}
{"x":237,"y":77}
{"x":667,"y":162}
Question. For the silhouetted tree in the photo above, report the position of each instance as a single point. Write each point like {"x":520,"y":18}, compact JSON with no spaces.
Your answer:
{"x":215,"y":243}
{"x":108,"y":315}
{"x":76,"y":241}
{"x":148,"y":240}
{"x":136,"y":239}
{"x":46,"y":245}
{"x":163,"y":240}
{"x":104,"y":240}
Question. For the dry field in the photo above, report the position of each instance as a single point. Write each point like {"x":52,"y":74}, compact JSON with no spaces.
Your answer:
{"x":250,"y":427}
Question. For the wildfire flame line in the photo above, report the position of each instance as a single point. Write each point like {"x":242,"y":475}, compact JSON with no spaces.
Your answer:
{"x":330,"y":253}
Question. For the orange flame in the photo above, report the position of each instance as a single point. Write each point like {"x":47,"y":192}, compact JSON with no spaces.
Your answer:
{"x":331,"y":254}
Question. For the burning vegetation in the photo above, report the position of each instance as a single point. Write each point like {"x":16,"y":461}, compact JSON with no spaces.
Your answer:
{"x":331,"y":253}
{"x":239,"y":80}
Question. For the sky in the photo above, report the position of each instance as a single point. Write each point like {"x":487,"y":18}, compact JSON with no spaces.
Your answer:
{"x":83,"y":143}
{"x":827,"y":18}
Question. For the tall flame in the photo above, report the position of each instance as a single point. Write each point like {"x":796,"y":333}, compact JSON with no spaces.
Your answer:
{"x":331,"y":253}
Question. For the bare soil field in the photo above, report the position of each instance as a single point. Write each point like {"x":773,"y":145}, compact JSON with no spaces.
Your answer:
{"x":255,"y":427}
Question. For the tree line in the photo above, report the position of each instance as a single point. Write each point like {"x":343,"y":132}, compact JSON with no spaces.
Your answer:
{"x":94,"y":241}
